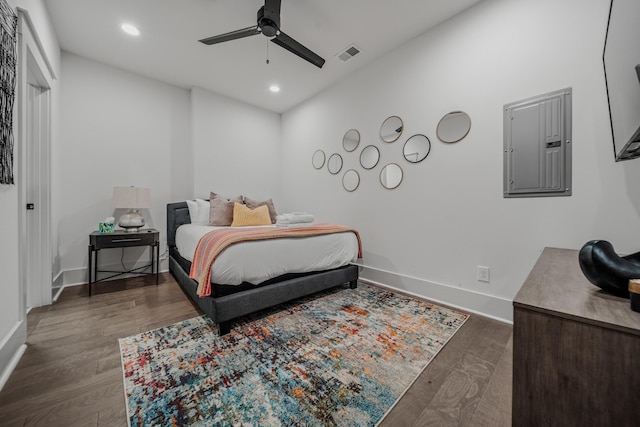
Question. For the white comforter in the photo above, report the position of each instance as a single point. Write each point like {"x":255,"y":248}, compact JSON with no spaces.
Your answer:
{"x":261,"y":260}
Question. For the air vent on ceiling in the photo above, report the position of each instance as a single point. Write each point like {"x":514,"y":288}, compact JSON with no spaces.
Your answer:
{"x":348,"y":53}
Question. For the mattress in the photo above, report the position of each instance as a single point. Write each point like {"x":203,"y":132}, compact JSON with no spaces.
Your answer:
{"x":260,"y":260}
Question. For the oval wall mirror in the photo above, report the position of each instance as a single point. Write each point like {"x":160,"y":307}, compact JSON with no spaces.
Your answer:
{"x":417,"y":148}
{"x":369,"y":157}
{"x":334,"y":164}
{"x":351,"y":180}
{"x":318,"y":159}
{"x":391,"y":176}
{"x":391,"y":129}
{"x":350,"y":140}
{"x":454,"y":126}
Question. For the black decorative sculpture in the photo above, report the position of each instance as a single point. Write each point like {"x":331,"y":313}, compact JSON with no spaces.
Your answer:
{"x":606,"y":269}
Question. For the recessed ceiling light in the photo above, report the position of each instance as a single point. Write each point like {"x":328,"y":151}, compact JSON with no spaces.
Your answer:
{"x":274,"y":88}
{"x":130,"y":29}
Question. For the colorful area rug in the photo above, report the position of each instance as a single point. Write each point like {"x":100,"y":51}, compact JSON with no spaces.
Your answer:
{"x":341,"y":358}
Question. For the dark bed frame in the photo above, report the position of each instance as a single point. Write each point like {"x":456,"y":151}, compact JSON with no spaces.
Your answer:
{"x":230,"y":302}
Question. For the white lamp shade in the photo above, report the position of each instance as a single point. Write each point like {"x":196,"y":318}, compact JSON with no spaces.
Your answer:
{"x":131,"y":198}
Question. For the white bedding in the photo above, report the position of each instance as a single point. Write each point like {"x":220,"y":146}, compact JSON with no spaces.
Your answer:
{"x":260,"y":260}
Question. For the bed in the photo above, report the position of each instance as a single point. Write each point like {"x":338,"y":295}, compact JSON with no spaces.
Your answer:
{"x":230,"y":301}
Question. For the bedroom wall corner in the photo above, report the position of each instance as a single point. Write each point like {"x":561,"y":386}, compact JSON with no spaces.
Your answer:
{"x":118,"y":129}
{"x":236,"y":148}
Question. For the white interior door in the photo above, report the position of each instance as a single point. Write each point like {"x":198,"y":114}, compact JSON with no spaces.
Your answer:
{"x":34,"y":160}
{"x":37,"y":191}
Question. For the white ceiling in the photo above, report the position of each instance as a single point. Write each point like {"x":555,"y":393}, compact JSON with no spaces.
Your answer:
{"x":168,"y":47}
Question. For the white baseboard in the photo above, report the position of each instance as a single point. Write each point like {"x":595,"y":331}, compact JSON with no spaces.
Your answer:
{"x":80,"y":276}
{"x":58,"y":280}
{"x":57,"y":286}
{"x":464,"y":299}
{"x":77,"y":276}
{"x":475,"y":302}
{"x":12,"y":348}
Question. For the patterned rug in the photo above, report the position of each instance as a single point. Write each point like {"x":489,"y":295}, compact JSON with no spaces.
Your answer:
{"x":342,"y":358}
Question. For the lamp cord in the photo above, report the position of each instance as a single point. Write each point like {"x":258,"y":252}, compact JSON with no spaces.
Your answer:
{"x":122,"y":260}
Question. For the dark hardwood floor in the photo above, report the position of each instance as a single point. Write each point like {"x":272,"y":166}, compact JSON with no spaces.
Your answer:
{"x":70,"y":374}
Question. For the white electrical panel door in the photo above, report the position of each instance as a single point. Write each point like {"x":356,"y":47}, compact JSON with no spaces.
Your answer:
{"x":537,"y":146}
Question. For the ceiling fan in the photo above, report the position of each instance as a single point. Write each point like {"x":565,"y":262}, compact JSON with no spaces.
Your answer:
{"x":269,"y":25}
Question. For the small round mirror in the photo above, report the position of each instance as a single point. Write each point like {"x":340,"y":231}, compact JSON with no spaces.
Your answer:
{"x":351,"y":180}
{"x":369,"y":157}
{"x":334,"y":164}
{"x":454,"y":126}
{"x":351,"y":140}
{"x":417,"y":148}
{"x":391,"y":129}
{"x":391,"y":176}
{"x":318,"y":159}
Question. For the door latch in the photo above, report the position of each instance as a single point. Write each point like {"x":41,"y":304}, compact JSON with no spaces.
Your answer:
{"x":30,"y":206}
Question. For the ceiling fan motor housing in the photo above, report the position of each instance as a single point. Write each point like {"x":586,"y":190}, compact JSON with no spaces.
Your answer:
{"x":268,"y":27}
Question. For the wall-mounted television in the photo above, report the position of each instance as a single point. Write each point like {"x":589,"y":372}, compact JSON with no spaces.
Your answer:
{"x":622,"y":74}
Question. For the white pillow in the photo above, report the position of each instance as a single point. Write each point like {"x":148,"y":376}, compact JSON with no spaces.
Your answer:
{"x":204,"y":208}
{"x":193,"y":209}
{"x":199,"y":211}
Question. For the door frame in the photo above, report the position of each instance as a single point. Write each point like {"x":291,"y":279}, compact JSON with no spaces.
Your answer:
{"x":35,"y":256}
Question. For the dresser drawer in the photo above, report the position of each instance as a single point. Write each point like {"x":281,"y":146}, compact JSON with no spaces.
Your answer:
{"x":123,"y":240}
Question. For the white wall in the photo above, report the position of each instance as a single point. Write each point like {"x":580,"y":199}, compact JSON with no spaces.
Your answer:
{"x":12,"y":327}
{"x":448,"y":216}
{"x":123,"y":129}
{"x":118,"y":129}
{"x":236,"y":147}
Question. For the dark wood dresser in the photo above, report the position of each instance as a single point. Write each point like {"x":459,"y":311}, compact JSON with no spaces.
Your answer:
{"x":576,"y":350}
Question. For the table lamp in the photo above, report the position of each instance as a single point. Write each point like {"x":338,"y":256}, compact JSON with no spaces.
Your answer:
{"x":132,"y":198}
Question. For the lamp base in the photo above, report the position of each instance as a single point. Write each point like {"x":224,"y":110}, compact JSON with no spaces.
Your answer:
{"x":132,"y":221}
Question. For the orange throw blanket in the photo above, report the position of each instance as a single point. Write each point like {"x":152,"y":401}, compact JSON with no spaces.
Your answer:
{"x":214,"y":242}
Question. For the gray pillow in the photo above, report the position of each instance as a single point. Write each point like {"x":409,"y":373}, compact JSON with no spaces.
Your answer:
{"x":252,"y":204}
{"x":221,"y":212}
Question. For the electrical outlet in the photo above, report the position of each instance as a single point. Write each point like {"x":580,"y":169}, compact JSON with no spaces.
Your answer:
{"x":483,"y":274}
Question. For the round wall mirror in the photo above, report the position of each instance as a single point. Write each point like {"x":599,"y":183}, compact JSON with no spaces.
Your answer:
{"x":454,"y":126}
{"x":391,"y":129}
{"x":351,"y":180}
{"x":350,"y":140}
{"x":417,"y":148}
{"x":369,"y":157}
{"x":391,"y":176}
{"x":318,"y":159}
{"x":334,"y":164}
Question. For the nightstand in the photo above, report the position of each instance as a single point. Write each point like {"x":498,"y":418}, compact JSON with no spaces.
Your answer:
{"x":123,"y":239}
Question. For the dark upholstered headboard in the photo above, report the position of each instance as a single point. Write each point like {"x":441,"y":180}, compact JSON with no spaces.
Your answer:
{"x":177,"y":214}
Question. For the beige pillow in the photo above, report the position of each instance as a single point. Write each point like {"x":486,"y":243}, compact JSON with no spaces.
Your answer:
{"x":244,"y":216}
{"x":221,"y":211}
{"x":269,"y":203}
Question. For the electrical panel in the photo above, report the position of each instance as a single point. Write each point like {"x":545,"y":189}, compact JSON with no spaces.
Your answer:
{"x":537,"y":146}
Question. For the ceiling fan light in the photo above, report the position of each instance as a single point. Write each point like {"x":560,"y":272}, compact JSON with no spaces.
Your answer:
{"x":274,"y":88}
{"x":130,"y":29}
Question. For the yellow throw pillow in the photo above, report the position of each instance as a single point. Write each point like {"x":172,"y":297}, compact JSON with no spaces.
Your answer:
{"x":244,"y":216}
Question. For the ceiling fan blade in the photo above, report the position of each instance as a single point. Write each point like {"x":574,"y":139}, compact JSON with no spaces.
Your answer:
{"x":272,"y":11}
{"x":238,"y":34}
{"x":293,"y":46}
